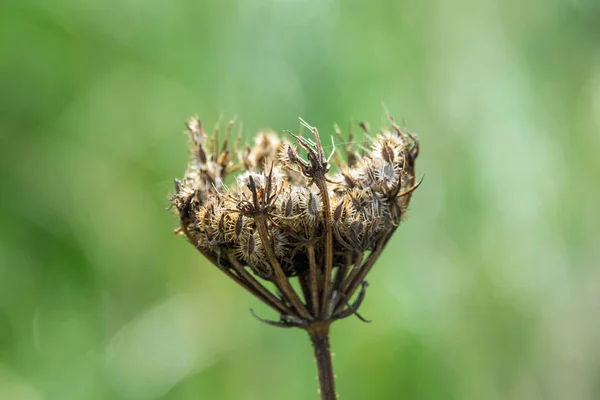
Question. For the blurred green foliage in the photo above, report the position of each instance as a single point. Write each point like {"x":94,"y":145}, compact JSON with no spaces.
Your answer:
{"x":490,"y":289}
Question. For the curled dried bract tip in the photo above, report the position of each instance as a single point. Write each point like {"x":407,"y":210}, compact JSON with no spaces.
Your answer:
{"x":274,"y":212}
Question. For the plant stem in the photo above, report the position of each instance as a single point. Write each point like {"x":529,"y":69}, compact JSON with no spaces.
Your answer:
{"x":322,"y":185}
{"x":280,"y":279}
{"x":319,"y":336}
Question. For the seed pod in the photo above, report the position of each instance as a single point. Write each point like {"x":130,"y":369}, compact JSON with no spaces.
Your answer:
{"x":313,"y":205}
{"x":387,"y":153}
{"x":251,"y":245}
{"x":289,"y":207}
{"x":337,"y":214}
{"x":291,"y":154}
{"x":239,"y":224}
{"x":355,"y":230}
{"x":222,"y":224}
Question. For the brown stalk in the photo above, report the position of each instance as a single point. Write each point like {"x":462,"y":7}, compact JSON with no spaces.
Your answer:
{"x":321,"y":182}
{"x":341,"y":273}
{"x":322,"y":185}
{"x":280,"y":279}
{"x":319,"y":336}
{"x":314,"y":288}
{"x":303,"y":279}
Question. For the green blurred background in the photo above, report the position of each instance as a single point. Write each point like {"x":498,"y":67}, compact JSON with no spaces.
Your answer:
{"x":490,"y":290}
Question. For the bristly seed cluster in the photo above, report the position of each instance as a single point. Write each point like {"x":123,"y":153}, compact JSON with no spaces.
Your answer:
{"x":285,"y":216}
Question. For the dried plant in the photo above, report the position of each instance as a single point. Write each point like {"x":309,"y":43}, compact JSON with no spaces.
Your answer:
{"x":287,"y":216}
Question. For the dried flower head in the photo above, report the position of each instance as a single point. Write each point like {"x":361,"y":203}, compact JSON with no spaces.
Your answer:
{"x":274,"y":212}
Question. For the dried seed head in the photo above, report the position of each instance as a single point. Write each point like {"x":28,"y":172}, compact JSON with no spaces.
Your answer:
{"x":282,"y":203}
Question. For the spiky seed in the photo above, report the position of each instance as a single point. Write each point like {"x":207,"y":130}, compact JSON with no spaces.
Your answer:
{"x":349,"y":181}
{"x":337,"y":214}
{"x":209,"y":234}
{"x":206,"y":219}
{"x":222,"y":223}
{"x":313,"y":205}
{"x":289,"y":207}
{"x":387,"y":153}
{"x":355,"y":230}
{"x":251,"y":245}
{"x":239,"y":224}
{"x":355,"y":203}
{"x":291,"y":155}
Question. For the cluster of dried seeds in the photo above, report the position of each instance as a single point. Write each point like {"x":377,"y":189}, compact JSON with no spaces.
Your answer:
{"x":275,"y":211}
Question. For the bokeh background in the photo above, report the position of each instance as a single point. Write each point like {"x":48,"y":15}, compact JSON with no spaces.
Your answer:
{"x":490,"y":289}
